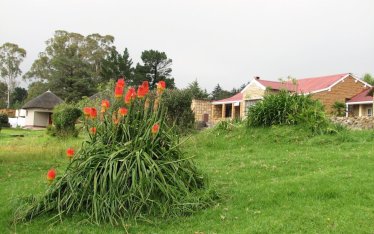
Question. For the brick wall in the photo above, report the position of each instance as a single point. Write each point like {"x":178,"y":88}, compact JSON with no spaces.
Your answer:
{"x":340,"y":92}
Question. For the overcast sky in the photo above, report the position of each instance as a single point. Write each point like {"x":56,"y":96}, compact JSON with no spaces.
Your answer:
{"x":215,"y":41}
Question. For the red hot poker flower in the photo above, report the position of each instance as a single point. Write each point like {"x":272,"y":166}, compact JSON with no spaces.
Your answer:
{"x":122,"y":111}
{"x":121,"y":82}
{"x":161,"y":85}
{"x":70,"y":153}
{"x":130,"y":95}
{"x":51,"y":175}
{"x":141,"y":91}
{"x":105,"y":103}
{"x":155,"y":128}
{"x":145,"y":87}
{"x":93,"y":113}
{"x":118,"y":92}
{"x":93,"y":130}
{"x":87,"y":111}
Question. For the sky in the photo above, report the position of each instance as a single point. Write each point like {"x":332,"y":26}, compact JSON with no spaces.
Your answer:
{"x":214,"y":41}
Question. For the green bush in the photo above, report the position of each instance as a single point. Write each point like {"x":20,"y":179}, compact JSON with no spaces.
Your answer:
{"x":284,"y":108}
{"x":338,"y":109}
{"x":4,"y":120}
{"x":178,"y":104}
{"x":130,"y":167}
{"x":64,"y":118}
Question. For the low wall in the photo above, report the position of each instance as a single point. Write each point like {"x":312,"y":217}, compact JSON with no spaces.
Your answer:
{"x":355,"y":122}
{"x":17,"y":122}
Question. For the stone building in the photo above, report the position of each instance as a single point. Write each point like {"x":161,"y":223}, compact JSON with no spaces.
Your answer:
{"x":327,"y":89}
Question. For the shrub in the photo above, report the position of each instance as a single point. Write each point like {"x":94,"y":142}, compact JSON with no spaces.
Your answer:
{"x":338,"y":109}
{"x":285,"y":108}
{"x":178,"y":104}
{"x":130,"y":166}
{"x":4,"y":120}
{"x":64,"y":118}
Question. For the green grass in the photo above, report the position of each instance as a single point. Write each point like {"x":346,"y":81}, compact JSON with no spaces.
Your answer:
{"x":276,"y":180}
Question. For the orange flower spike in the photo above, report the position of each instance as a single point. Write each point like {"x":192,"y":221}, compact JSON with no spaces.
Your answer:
{"x":105,"y":103}
{"x":130,"y":95}
{"x":115,"y":120}
{"x":93,"y":131}
{"x":70,"y":153}
{"x":122,"y":111}
{"x":51,"y":175}
{"x":141,"y":90}
{"x":93,"y":113}
{"x":121,"y":82}
{"x":155,"y":128}
{"x":161,"y":85}
{"x":118,"y":92}
{"x":145,"y":85}
{"x":86,"y":111}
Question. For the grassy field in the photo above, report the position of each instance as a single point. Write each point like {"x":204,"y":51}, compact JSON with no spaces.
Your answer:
{"x":276,"y":180}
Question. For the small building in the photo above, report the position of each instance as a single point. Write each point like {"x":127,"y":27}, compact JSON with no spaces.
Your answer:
{"x":326,"y":89}
{"x":361,"y":104}
{"x":39,"y":110}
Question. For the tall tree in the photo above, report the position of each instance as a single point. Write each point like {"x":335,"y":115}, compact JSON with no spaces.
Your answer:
{"x":156,"y":66}
{"x":35,"y":89}
{"x":196,"y":91}
{"x":3,"y":94}
{"x":116,"y":65}
{"x":368,"y":78}
{"x":71,"y":64}
{"x":218,"y":93}
{"x":18,"y":97}
{"x":11,"y":56}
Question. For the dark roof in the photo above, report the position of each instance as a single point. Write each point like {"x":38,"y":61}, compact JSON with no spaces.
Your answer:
{"x":47,"y":100}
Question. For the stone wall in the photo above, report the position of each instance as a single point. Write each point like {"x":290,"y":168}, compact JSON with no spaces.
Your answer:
{"x":201,"y":107}
{"x":355,"y":122}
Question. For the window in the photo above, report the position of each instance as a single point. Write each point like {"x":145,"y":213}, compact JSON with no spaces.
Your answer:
{"x":370,"y":112}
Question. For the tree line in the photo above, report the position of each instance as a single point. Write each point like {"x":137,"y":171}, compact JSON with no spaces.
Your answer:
{"x":73,"y":66}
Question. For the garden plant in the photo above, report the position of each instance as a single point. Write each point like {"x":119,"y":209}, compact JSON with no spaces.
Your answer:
{"x":130,"y":167}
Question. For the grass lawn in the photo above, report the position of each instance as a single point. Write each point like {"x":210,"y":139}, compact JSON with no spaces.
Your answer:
{"x":276,"y":180}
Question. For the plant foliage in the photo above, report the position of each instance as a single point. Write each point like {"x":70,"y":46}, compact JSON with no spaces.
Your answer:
{"x":131,"y":166}
{"x":178,"y":105}
{"x":285,"y":108}
{"x":64,"y":118}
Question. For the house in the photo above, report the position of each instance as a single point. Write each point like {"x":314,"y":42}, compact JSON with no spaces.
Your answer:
{"x":361,"y":104}
{"x":39,"y":110}
{"x":327,"y":89}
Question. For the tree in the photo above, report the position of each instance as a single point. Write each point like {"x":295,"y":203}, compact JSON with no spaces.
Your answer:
{"x":3,"y":95}
{"x":71,"y":64}
{"x":116,"y":65}
{"x":368,"y":79}
{"x":35,"y":89}
{"x":156,"y":66}
{"x":218,"y":93}
{"x":11,"y":56}
{"x":196,"y":91}
{"x":18,"y":97}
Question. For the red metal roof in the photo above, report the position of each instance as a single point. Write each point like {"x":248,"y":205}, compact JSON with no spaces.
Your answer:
{"x":305,"y":85}
{"x":236,"y":98}
{"x":364,"y":96}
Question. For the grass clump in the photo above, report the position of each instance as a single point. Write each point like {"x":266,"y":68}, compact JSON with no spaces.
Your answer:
{"x":285,"y":108}
{"x":131,"y":167}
